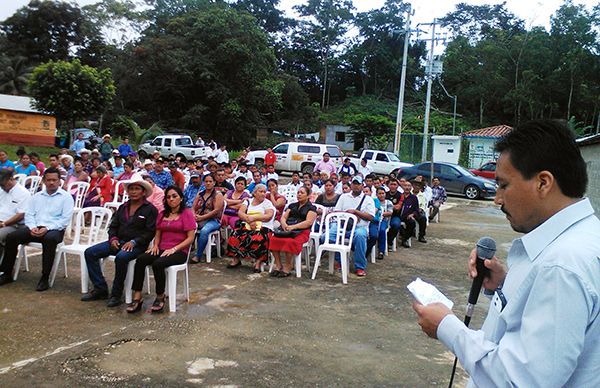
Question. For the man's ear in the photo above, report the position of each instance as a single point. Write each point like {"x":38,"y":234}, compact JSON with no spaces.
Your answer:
{"x":545,"y":182}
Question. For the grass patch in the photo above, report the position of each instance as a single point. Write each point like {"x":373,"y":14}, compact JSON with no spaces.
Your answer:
{"x":44,"y":152}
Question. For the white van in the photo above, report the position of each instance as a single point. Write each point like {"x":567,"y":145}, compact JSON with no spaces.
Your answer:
{"x":301,"y":157}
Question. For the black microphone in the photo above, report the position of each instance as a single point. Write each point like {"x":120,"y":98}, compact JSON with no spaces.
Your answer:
{"x":486,"y":249}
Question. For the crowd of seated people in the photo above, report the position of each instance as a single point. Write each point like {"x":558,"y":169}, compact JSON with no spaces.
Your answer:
{"x":168,"y":208}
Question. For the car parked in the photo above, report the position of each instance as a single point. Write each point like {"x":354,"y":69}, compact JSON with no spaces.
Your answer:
{"x":456,"y":179}
{"x":178,"y":145}
{"x":487,"y":170}
{"x":382,"y":162}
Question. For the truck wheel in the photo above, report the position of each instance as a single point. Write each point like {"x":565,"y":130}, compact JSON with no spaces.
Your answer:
{"x":472,"y":192}
{"x":307,"y":168}
{"x":259,"y":163}
{"x":142,"y":155}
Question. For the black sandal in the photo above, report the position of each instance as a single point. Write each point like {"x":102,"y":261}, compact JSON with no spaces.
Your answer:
{"x":230,"y":265}
{"x":135,"y":306}
{"x":195,"y":260}
{"x":158,"y":305}
{"x":275,"y":273}
{"x":283,"y":274}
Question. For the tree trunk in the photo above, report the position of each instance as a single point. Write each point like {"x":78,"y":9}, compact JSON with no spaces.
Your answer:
{"x":570,"y":97}
{"x":324,"y":80}
{"x":480,"y":110}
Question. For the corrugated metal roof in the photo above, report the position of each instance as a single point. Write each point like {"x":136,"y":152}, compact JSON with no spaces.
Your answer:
{"x":489,"y":132}
{"x":588,"y":140}
{"x":17,"y":103}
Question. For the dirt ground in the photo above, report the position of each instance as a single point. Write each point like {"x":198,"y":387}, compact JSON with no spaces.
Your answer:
{"x":245,"y":329}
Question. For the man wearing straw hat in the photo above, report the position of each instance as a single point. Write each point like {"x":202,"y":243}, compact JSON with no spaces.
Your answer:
{"x":129,"y":234}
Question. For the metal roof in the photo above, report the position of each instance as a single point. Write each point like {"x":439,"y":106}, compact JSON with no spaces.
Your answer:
{"x":17,"y":103}
{"x":588,"y":140}
{"x":490,"y":132}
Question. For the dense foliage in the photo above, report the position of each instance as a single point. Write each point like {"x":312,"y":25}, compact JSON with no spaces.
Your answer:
{"x":233,"y":69}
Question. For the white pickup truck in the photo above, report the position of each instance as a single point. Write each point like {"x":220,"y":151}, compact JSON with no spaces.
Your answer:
{"x":301,"y":157}
{"x":178,"y":145}
{"x":382,"y":162}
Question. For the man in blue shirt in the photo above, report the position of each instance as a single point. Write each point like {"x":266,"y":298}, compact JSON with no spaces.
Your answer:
{"x":125,"y":148}
{"x":78,"y":144}
{"x":46,"y":218}
{"x":193,"y":188}
{"x":543,"y":325}
{"x":160,"y":176}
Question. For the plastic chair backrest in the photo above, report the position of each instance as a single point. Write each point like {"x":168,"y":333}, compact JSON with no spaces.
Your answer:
{"x":100,"y":218}
{"x":124,"y":196}
{"x":80,"y":193}
{"x":20,"y":178}
{"x":320,"y":220}
{"x":340,"y":219}
{"x":33,"y":182}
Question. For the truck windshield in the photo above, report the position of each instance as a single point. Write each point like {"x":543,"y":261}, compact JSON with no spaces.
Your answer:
{"x":392,"y":157}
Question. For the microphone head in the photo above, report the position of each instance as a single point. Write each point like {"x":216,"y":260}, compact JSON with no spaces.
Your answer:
{"x":486,"y":248}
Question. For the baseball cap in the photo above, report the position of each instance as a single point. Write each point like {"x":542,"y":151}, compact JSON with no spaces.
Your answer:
{"x":357,"y":179}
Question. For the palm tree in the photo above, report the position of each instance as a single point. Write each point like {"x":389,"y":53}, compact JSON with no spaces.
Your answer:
{"x":14,"y":76}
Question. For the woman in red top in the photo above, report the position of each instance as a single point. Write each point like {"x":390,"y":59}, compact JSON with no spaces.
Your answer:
{"x":102,"y":191}
{"x":175,"y":230}
{"x":277,"y":199}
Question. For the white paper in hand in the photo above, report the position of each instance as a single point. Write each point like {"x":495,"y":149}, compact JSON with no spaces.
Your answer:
{"x":426,"y":293}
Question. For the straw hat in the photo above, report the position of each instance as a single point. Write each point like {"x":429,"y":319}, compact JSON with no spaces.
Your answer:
{"x":140,"y":182}
{"x":66,"y":156}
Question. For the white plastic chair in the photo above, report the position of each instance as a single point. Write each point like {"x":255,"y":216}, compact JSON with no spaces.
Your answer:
{"x":373,"y":251}
{"x":316,"y":233}
{"x":20,"y":178}
{"x":81,"y":190}
{"x":33,"y":182}
{"x":116,"y":202}
{"x":22,"y":256}
{"x":96,"y":232}
{"x":341,"y":245}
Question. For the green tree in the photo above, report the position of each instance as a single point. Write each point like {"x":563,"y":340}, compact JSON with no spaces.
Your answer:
{"x":327,"y":21}
{"x":71,"y":91}
{"x":49,"y":30}
{"x":211,"y":71}
{"x":14,"y":75}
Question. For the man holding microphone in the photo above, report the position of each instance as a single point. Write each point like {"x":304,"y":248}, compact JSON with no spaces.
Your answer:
{"x":543,"y":325}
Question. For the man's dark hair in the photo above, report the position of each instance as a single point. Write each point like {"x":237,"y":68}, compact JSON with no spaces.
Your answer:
{"x":51,"y":170}
{"x":53,"y":156}
{"x":549,"y":145}
{"x":371,"y":176}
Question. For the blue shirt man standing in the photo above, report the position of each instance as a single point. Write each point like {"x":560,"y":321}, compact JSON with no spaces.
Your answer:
{"x":543,"y":327}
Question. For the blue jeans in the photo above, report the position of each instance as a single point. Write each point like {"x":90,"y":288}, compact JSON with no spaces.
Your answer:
{"x":359,"y":245}
{"x":394,"y":228}
{"x":377,"y":235}
{"x":99,"y":251}
{"x":209,"y":227}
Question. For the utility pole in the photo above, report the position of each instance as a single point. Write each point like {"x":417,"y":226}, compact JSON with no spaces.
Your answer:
{"x":397,"y":134}
{"x":428,"y":100}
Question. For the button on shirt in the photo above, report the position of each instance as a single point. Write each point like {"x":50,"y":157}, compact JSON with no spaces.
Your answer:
{"x":548,"y":334}
{"x":348,"y":201}
{"x":14,"y":202}
{"x":51,"y":211}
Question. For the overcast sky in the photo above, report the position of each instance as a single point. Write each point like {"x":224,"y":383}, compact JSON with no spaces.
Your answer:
{"x":533,"y":12}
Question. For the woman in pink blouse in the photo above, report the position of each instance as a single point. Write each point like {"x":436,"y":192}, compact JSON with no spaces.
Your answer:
{"x":175,"y":229}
